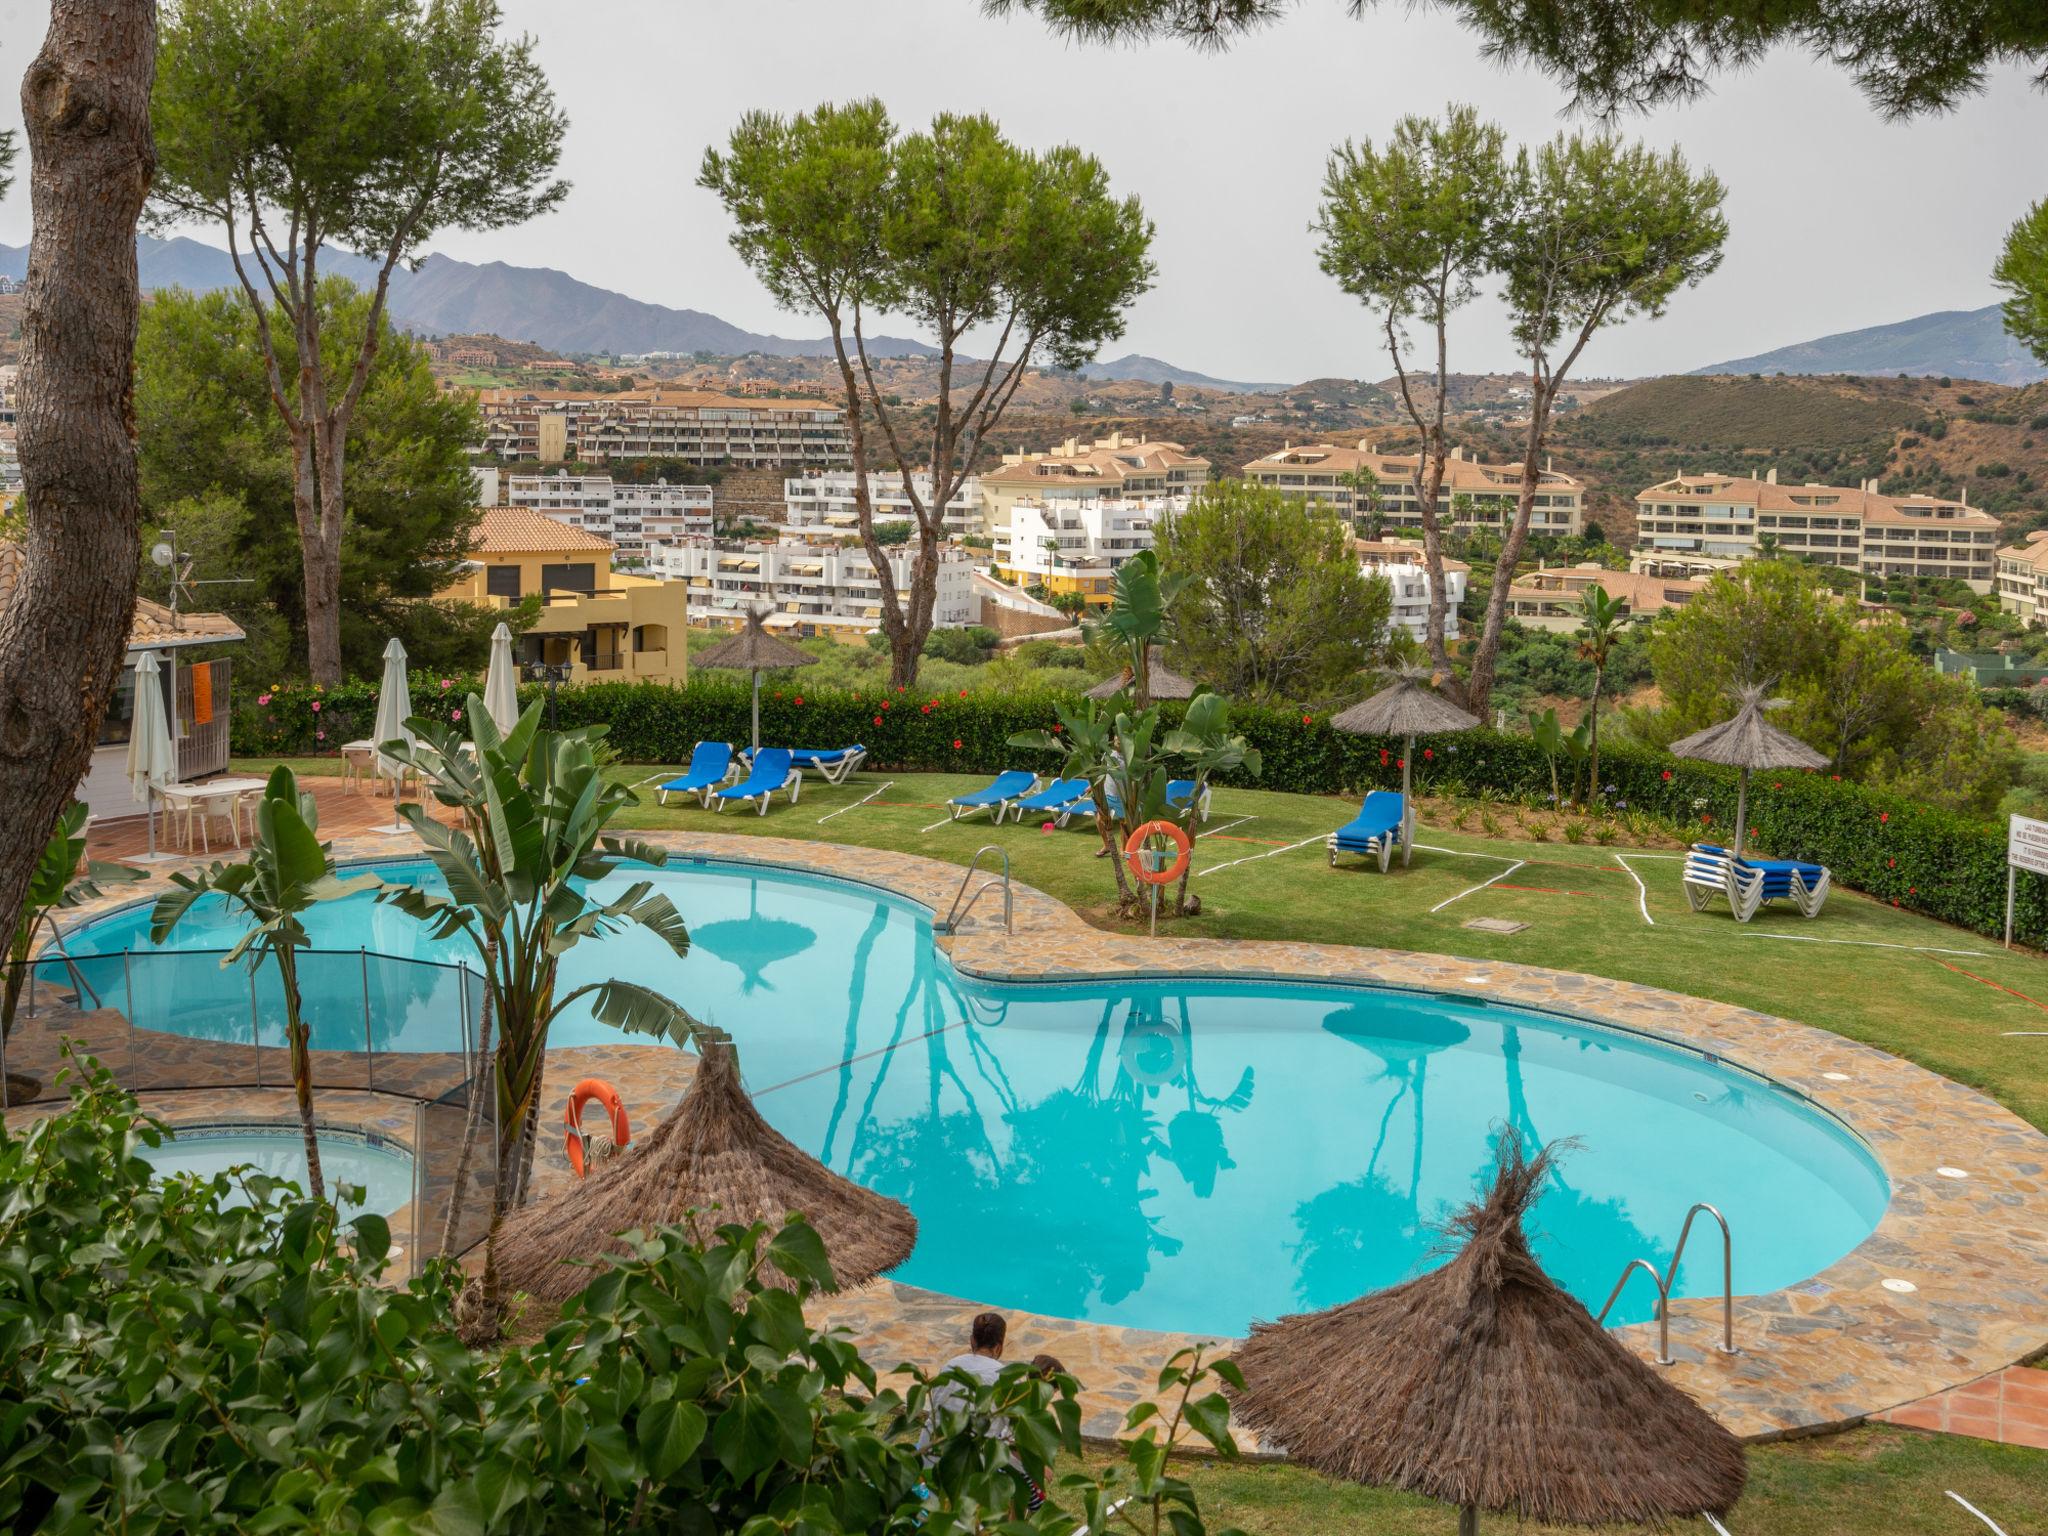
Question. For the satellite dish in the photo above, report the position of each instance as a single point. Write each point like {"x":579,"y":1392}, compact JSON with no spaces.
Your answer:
{"x":162,"y":553}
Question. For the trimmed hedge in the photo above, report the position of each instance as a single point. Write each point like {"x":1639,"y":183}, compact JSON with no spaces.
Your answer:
{"x":1915,"y":856}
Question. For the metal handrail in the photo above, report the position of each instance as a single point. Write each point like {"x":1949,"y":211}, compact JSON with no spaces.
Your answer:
{"x":1665,"y":1281}
{"x":1663,"y":1307}
{"x":963,"y":903}
{"x":1727,"y":1270}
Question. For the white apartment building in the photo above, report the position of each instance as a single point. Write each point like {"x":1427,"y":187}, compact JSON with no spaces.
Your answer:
{"x":1075,"y":544}
{"x":696,"y":426}
{"x":1401,"y":562}
{"x":814,"y":586}
{"x":2023,"y":578}
{"x":1114,"y":468}
{"x":634,"y":518}
{"x":1729,"y":517}
{"x":823,"y":500}
{"x":1473,"y":495}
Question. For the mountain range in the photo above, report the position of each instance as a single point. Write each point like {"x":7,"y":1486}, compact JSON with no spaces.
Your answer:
{"x":446,"y":297}
{"x":1961,"y":343}
{"x":552,"y":309}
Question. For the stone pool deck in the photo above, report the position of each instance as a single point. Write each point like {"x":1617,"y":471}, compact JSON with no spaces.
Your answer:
{"x":1950,"y":1287}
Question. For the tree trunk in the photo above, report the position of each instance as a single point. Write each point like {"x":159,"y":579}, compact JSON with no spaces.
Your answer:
{"x":85,"y":100}
{"x":473,"y":1119}
{"x":302,"y":1069}
{"x":320,"y":558}
{"x":1479,"y":685}
{"x":1593,"y":741}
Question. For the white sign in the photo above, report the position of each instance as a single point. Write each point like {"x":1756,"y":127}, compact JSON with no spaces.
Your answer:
{"x":2026,"y":845}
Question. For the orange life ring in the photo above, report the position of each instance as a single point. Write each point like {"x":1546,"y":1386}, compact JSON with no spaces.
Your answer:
{"x":1133,"y":847}
{"x":614,"y":1107}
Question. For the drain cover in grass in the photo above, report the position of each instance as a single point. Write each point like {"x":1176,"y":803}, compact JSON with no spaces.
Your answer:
{"x":1496,"y":925}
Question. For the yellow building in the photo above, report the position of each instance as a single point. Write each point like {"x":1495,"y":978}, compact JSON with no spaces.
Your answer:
{"x":607,"y":625}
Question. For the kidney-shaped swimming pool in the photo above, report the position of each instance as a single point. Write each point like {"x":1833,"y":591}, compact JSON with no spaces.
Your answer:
{"x":1170,"y":1153}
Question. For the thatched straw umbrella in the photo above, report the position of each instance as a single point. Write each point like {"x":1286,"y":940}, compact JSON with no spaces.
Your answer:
{"x":1748,"y":741}
{"x":713,"y":1150}
{"x":1161,"y":684}
{"x":1408,"y":708}
{"x":754,"y":650}
{"x":1485,"y":1386}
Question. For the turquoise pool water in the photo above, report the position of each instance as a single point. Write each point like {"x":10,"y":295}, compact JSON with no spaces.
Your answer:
{"x":1169,"y":1154}
{"x":383,"y":1173}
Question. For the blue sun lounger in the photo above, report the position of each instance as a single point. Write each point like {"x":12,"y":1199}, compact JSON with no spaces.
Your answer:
{"x":771,"y":770}
{"x":1375,"y":831}
{"x":1749,"y":883}
{"x":710,"y":766}
{"x":1011,"y":784}
{"x":1060,"y":800}
{"x":833,"y":765}
{"x":1180,"y":799}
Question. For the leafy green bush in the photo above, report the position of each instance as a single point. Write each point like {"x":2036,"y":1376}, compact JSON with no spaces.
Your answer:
{"x":176,"y":1363}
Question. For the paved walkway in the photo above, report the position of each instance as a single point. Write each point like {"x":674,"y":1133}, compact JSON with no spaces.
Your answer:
{"x":2010,"y":1407}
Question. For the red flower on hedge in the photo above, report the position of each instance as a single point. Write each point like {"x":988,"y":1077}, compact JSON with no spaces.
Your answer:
{"x":1057,"y":729}
{"x":878,"y":719}
{"x":1884,"y":816}
{"x":1428,"y":754}
{"x":1891,"y":863}
{"x":1307,"y":719}
{"x":1667,"y":775}
{"x":1834,"y":778}
{"x":925,"y":709}
{"x":963,"y":693}
{"x":1400,"y":762}
{"x":956,"y":743}
{"x":799,"y":698}
{"x":316,"y":706}
{"x":778,"y":693}
{"x":1383,"y":757}
{"x":1912,"y":890}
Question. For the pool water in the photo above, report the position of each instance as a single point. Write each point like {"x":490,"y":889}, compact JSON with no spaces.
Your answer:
{"x":384,"y":1173}
{"x":1173,"y":1154}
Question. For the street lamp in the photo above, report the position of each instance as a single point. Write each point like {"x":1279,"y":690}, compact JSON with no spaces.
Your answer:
{"x":553,"y":673}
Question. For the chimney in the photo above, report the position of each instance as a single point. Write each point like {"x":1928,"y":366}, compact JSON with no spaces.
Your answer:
{"x":1771,"y":477}
{"x":1546,"y":464}
{"x":1966,"y":494}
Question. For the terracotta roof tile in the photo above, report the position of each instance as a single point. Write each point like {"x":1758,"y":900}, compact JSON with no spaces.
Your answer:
{"x":523,"y":531}
{"x":152,"y":627}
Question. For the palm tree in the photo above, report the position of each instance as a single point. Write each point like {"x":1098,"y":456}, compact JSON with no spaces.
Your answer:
{"x":535,"y":805}
{"x":1138,"y":618}
{"x":54,"y":885}
{"x":1204,"y":742}
{"x":1113,"y":749}
{"x":288,"y":872}
{"x":1366,"y":513}
{"x":1602,"y":621}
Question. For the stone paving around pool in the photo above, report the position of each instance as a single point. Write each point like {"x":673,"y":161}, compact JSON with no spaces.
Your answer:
{"x":1951,"y":1286}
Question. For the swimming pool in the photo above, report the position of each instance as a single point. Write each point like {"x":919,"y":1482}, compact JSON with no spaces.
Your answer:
{"x":1176,"y":1154}
{"x":383,"y":1172}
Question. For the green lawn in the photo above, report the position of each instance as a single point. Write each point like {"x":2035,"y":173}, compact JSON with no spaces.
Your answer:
{"x":1942,"y":997}
{"x":1876,"y":1481}
{"x":1935,"y":994}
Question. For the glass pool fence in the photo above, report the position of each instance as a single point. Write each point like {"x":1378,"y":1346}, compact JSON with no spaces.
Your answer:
{"x":403,"y":1032}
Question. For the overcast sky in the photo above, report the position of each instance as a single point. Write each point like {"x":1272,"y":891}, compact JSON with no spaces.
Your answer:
{"x":1838,"y":220}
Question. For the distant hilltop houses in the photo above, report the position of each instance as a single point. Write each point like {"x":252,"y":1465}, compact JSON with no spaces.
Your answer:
{"x":12,"y":285}
{"x":1059,"y":521}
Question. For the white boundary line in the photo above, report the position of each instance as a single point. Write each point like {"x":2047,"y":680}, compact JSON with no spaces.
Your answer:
{"x":863,"y":800}
{"x":1214,"y":831}
{"x":1513,"y":865}
{"x":1252,"y":857}
{"x":1918,"y":949}
{"x":945,"y":821}
{"x":1642,"y":891}
{"x":1973,"y":1509}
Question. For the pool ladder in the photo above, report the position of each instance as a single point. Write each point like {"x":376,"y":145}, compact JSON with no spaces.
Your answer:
{"x":1664,"y":1283}
{"x":964,"y":903}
